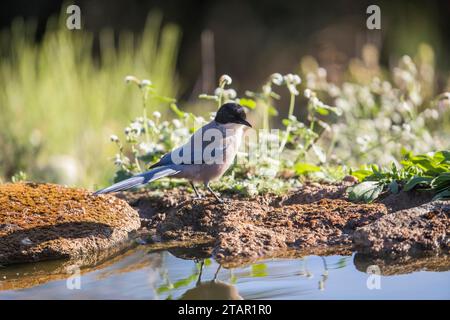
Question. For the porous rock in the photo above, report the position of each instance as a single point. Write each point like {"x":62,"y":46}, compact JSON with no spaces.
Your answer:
{"x":47,"y":221}
{"x":410,"y":231}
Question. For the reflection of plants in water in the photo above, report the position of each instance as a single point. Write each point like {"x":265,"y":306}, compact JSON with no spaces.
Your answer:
{"x":341,"y":263}
{"x":208,"y":289}
{"x":167,"y":286}
{"x":259,"y":270}
{"x":204,"y":289}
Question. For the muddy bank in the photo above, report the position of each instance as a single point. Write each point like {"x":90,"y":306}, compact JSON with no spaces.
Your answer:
{"x":46,"y":221}
{"x":313,"y":218}
{"x":246,"y":230}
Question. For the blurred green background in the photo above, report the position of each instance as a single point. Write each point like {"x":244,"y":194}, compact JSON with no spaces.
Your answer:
{"x":62,"y":92}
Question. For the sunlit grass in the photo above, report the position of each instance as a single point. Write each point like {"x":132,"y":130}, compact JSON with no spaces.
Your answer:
{"x":60,"y":100}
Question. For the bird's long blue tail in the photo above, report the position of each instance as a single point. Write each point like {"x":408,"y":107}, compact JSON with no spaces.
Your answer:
{"x":141,"y":179}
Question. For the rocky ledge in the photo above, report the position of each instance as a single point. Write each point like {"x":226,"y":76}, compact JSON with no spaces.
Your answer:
{"x":46,"y":221}
{"x":407,"y":232}
{"x":313,"y":218}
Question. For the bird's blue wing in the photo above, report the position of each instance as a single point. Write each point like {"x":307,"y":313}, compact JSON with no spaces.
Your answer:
{"x":189,"y":147}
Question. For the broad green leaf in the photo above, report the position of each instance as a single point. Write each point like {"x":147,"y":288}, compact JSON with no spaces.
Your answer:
{"x":442,"y":156}
{"x":361,"y":174}
{"x":441,"y":182}
{"x":415,"y":181}
{"x":443,"y":195}
{"x":393,"y":187}
{"x":366,"y":191}
{"x":302,"y":168}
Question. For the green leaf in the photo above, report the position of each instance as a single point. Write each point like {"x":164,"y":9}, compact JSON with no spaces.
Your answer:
{"x":185,"y":282}
{"x":248,"y":103}
{"x":272,"y":111}
{"x":366,"y":191}
{"x":393,"y":187}
{"x":443,"y":195}
{"x":361,"y":174}
{"x":164,"y":98}
{"x":178,"y":112}
{"x":415,"y":181}
{"x":303,"y":168}
{"x":164,"y":288}
{"x":322,"y":111}
{"x":208,"y":97}
{"x":441,"y":182}
{"x":121,"y":175}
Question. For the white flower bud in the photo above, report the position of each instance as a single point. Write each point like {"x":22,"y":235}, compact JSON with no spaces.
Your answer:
{"x":145,"y":83}
{"x":296,"y":79}
{"x":289,"y":78}
{"x":157,"y":114}
{"x":114,"y":138}
{"x":129,"y":79}
{"x":321,"y":72}
{"x":225,"y":80}
{"x":230,"y":93}
{"x":277,"y":79}
{"x":307,"y":93}
{"x":177,"y":123}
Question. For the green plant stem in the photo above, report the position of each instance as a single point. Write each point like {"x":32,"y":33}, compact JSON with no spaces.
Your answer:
{"x":222,"y":87}
{"x":266,"y":115}
{"x":288,"y":128}
{"x":145,"y":97}
{"x":136,"y":160}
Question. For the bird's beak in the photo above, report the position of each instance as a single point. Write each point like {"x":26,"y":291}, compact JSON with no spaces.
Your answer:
{"x":245,"y":123}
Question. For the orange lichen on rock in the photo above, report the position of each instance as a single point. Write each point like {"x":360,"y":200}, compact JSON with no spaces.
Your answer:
{"x":47,"y":221}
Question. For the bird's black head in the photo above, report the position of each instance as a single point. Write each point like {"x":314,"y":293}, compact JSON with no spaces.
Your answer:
{"x":232,"y":113}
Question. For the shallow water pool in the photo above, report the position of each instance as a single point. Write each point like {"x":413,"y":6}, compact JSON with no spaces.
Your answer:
{"x":140,"y":274}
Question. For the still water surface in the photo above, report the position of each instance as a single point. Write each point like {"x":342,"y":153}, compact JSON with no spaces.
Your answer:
{"x":140,"y":274}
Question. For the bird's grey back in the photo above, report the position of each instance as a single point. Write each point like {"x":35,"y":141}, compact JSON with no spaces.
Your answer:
{"x":195,"y":155}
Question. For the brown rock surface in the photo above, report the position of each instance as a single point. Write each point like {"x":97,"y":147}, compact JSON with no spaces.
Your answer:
{"x":242,"y":229}
{"x":45,"y":221}
{"x":407,"y":232}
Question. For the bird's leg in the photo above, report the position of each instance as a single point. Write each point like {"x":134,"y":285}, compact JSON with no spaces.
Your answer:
{"x":217,"y":272}
{"x":198,"y":196}
{"x":199,"y":279}
{"x":213,"y":193}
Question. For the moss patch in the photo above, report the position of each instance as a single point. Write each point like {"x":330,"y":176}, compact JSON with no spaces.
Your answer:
{"x":47,"y":221}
